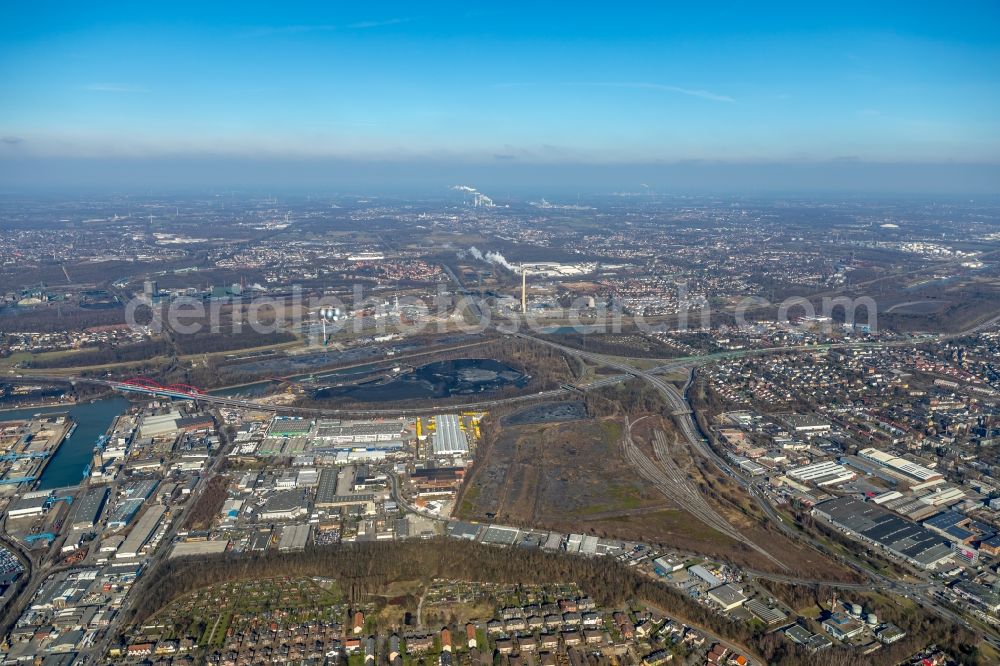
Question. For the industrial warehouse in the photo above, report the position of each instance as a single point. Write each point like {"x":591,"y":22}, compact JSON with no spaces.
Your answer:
{"x":873,"y":524}
{"x":334,"y":442}
{"x":449,"y":437}
{"x":826,"y":473}
{"x":908,"y":471}
{"x":141,"y":533}
{"x":339,"y":432}
{"x":87,"y":508}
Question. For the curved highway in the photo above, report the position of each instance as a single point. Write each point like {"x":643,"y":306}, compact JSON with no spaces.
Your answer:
{"x":239,"y":403}
{"x":920,"y":593}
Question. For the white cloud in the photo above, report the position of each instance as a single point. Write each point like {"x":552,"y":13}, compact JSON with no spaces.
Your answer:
{"x":298,"y":29}
{"x":640,"y":85}
{"x":361,"y":25}
{"x":114,"y":88}
{"x":267,"y":30}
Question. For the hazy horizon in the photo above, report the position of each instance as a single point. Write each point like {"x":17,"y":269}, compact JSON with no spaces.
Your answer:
{"x":781,"y":97}
{"x":166,"y":175}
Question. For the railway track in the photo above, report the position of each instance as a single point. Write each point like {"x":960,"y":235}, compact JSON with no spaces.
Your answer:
{"x":673,"y":482}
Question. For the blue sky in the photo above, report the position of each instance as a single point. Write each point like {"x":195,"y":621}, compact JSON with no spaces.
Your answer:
{"x":535,"y":83}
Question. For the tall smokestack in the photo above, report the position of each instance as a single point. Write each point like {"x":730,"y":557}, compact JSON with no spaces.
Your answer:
{"x":524,"y":289}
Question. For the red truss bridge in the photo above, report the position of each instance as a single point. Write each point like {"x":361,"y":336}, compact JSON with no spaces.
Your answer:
{"x":152,"y":387}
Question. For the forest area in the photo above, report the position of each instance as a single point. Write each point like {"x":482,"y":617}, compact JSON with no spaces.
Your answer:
{"x":632,"y":344}
{"x":139,"y":351}
{"x":367,"y":569}
{"x":209,"y":504}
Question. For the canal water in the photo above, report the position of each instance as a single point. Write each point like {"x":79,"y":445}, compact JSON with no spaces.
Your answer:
{"x":92,"y":420}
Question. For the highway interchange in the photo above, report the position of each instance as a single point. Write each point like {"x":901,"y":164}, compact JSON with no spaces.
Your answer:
{"x":669,"y":480}
{"x":927,"y":594}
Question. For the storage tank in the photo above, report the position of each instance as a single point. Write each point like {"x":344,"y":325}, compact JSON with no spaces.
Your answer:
{"x":856,"y":610}
{"x":872,"y":619}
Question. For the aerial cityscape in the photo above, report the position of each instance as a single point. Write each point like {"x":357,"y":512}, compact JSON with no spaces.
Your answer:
{"x":518,"y":337}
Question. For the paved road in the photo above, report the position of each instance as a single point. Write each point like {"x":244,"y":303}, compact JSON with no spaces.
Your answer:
{"x":680,"y":410}
{"x":401,"y":501}
{"x":664,"y":474}
{"x":101,"y":647}
{"x":920,"y":593}
{"x":241,"y":403}
{"x":626,"y":369}
{"x":27,"y":582}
